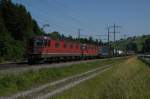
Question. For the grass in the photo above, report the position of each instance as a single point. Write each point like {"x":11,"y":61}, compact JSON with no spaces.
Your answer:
{"x":145,"y":60}
{"x":128,"y":80}
{"x":12,"y":83}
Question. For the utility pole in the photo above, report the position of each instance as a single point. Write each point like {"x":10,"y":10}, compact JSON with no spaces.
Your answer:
{"x":114,"y":32}
{"x":79,"y":35}
{"x":108,"y":31}
{"x":79,"y":30}
{"x":125,"y":45}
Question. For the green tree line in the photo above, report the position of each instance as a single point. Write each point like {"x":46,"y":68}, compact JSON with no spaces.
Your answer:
{"x":139,"y":44}
{"x":16,"y":27}
{"x":58,"y":36}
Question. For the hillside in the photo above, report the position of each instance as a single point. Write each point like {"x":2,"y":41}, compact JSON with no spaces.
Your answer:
{"x":138,"y":41}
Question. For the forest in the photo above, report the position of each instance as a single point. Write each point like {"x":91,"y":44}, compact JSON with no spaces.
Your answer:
{"x":16,"y":27}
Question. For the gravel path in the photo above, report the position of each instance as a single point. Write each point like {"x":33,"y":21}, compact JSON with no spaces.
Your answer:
{"x":69,"y":85}
{"x":64,"y":84}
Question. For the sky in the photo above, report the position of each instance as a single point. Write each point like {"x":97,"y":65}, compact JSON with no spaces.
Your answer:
{"x":91,"y":16}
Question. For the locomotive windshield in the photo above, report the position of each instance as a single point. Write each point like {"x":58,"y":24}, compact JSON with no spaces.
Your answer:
{"x":38,"y":43}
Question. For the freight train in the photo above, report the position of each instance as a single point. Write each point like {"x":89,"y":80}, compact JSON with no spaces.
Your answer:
{"x":43,"y":47}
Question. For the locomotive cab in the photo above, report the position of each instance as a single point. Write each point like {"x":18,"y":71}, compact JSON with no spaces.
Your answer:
{"x":36,"y":47}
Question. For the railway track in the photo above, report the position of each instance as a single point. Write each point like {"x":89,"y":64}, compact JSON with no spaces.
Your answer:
{"x":13,"y":65}
{"x":21,"y":66}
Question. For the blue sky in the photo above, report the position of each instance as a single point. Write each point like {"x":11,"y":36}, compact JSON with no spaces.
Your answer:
{"x":91,"y":16}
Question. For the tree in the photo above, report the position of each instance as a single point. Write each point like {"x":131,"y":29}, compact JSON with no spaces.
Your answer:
{"x":146,"y":46}
{"x":16,"y":27}
{"x":90,"y":40}
{"x":131,"y":47}
{"x":54,"y":35}
{"x":70,"y":37}
{"x":19,"y":21}
{"x":36,"y":29}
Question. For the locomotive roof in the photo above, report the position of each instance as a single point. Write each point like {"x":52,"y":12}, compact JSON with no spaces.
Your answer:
{"x":48,"y":38}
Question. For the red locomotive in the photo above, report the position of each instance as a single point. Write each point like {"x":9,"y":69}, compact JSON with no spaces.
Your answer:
{"x":43,"y":47}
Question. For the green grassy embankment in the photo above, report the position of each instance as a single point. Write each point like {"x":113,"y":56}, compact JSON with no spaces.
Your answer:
{"x":129,"y":80}
{"x":12,"y":83}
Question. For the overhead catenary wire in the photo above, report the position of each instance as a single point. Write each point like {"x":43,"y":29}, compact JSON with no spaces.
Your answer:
{"x":43,"y":17}
{"x":74,"y":19}
{"x":52,"y":23}
{"x":74,"y":12}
